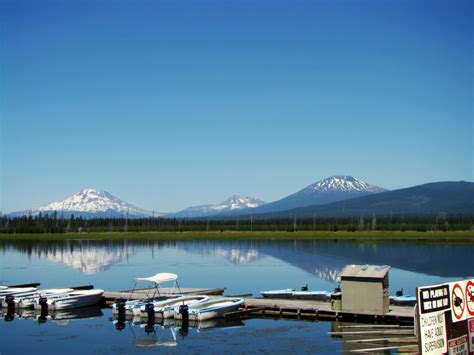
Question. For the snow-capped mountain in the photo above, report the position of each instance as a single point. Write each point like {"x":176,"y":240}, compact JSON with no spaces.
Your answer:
{"x":332,"y":189}
{"x":90,"y":203}
{"x":344,"y":183}
{"x":233,"y":203}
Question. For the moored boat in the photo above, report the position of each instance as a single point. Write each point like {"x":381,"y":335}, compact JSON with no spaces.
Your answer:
{"x":405,"y":300}
{"x":165,"y":309}
{"x":73,"y":299}
{"x":16,"y":292}
{"x":132,"y":307}
{"x":286,"y":293}
{"x":303,"y":294}
{"x":312,"y":295}
{"x":28,"y":300}
{"x":215,"y":308}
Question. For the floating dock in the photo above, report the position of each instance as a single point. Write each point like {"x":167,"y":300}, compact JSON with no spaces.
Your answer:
{"x":275,"y":308}
{"x":303,"y":309}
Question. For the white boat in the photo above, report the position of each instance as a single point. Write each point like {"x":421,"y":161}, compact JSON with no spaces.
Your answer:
{"x":16,"y":292}
{"x":286,"y":293}
{"x":404,"y":300}
{"x":215,"y":308}
{"x":28,"y":300}
{"x":130,"y":306}
{"x":165,"y":308}
{"x":304,"y":294}
{"x":7,"y":291}
{"x":73,"y":299}
{"x":312,"y":295}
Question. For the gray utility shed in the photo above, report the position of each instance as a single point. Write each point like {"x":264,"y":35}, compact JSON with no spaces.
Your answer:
{"x":365,"y":289}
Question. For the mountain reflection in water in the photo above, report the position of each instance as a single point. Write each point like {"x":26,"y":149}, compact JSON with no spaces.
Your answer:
{"x":324,"y":259}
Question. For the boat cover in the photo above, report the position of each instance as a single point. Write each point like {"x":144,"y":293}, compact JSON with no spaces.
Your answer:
{"x":159,"y":278}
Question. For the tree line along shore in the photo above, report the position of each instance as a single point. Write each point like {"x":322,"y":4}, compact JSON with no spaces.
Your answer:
{"x":383,"y":225}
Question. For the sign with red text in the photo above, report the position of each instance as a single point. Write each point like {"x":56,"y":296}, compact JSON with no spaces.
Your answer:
{"x":458,"y":346}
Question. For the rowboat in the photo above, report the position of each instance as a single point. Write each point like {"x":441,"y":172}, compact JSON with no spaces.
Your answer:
{"x":303,"y":294}
{"x":16,"y":292}
{"x":24,"y":301}
{"x":73,"y":299}
{"x":215,"y":308}
{"x":286,"y":293}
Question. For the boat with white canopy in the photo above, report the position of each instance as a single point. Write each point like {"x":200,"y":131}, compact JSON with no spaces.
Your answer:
{"x":128,"y":306}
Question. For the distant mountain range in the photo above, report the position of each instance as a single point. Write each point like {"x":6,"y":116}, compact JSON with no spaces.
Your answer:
{"x":332,"y":189}
{"x":234,"y":203}
{"x":434,"y":198}
{"x":335,"y":196}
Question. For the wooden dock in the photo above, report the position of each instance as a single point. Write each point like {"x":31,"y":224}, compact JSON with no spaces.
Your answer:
{"x":275,"y":308}
{"x":302,"y":309}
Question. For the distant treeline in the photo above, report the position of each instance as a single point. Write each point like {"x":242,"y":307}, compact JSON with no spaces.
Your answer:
{"x":55,"y":223}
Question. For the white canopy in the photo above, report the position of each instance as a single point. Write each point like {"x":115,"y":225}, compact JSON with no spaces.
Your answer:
{"x":159,"y":278}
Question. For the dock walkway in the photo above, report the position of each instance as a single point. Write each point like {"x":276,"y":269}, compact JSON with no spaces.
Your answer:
{"x":278,"y":308}
{"x":320,"y":309}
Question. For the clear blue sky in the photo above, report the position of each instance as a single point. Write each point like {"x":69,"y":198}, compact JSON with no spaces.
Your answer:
{"x":168,"y":104}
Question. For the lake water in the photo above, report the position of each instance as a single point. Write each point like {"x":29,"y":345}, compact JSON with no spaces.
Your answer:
{"x":240,"y":266}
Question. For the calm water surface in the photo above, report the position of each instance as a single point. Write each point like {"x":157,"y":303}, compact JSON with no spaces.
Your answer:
{"x":240,"y":266}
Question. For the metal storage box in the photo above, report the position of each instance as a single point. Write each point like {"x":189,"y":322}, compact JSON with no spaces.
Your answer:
{"x":365,"y":289}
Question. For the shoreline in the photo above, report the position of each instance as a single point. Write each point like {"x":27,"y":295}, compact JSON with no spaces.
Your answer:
{"x":374,"y":236}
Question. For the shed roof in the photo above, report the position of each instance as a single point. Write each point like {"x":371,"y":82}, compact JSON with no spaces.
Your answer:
{"x":364,"y":271}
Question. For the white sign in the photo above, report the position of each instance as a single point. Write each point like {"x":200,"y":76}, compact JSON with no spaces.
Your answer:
{"x":433,"y":333}
{"x":461,"y":300}
{"x":470,"y":326}
{"x":458,"y":346}
{"x":469,"y":294}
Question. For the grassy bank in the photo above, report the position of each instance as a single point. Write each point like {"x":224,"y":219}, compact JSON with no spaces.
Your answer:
{"x":373,"y":236}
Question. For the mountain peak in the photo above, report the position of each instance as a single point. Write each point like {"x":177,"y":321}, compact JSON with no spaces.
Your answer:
{"x":235,"y":202}
{"x":92,"y":201}
{"x":238,"y":202}
{"x":344,"y":183}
